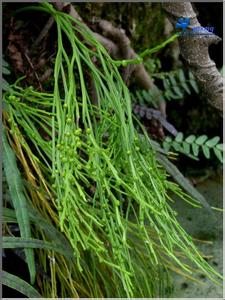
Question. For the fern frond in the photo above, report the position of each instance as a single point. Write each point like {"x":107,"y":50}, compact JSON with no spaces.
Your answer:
{"x":175,"y":85}
{"x":192,"y":146}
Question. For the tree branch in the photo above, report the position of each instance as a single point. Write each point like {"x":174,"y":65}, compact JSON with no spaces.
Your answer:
{"x":194,"y":50}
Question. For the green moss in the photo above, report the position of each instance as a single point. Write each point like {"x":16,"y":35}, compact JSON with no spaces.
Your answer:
{"x":143,"y":22}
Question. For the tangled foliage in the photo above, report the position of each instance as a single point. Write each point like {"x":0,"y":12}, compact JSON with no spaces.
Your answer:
{"x":93,"y":180}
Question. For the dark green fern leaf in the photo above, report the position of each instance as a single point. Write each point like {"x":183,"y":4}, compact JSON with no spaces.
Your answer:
{"x":193,"y":82}
{"x":218,"y":154}
{"x":206,"y":151}
{"x":212,"y":142}
{"x":183,"y":83}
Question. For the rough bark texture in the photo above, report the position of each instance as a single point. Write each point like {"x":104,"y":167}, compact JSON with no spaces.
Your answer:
{"x":194,"y":50}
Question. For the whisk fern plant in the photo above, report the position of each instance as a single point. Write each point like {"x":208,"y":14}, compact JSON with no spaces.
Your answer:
{"x":108,"y":197}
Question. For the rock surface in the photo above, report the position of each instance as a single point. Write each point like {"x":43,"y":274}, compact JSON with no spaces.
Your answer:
{"x":200,"y":225}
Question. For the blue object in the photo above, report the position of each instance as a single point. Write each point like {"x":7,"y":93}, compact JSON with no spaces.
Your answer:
{"x":183,"y":23}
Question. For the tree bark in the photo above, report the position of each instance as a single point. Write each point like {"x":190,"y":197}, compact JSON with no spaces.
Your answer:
{"x":194,"y":50}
